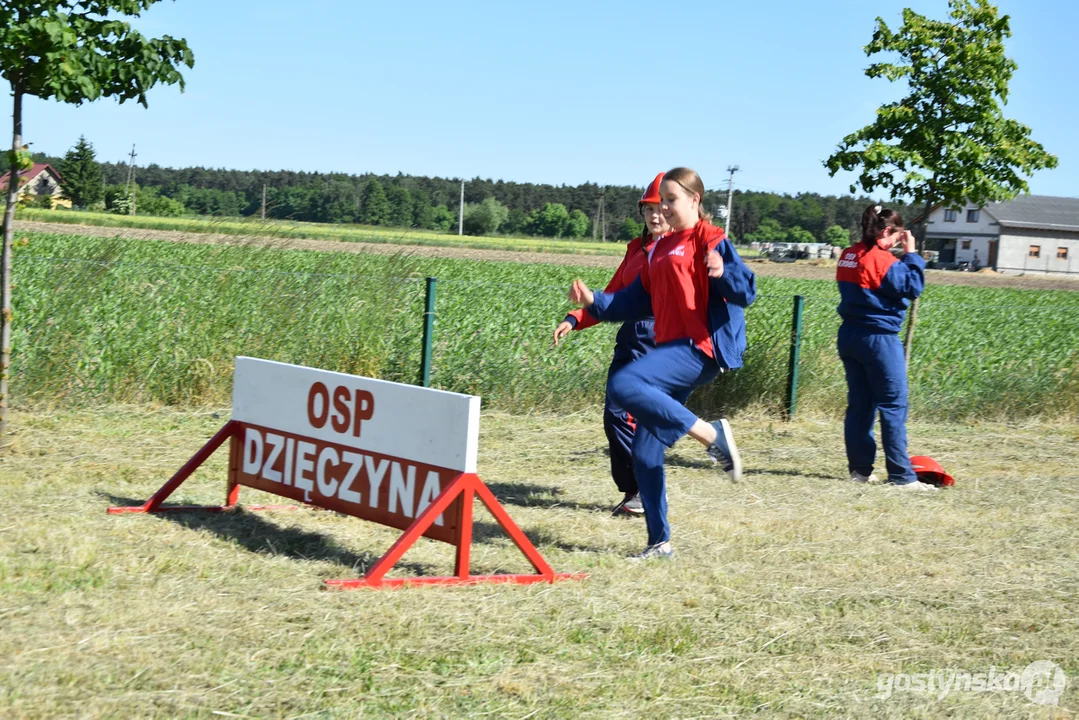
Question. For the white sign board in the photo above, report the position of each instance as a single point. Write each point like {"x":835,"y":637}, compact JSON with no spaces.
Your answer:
{"x":432,"y":427}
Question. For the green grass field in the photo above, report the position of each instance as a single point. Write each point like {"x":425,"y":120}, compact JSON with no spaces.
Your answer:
{"x":102,"y":320}
{"x":792,"y":594}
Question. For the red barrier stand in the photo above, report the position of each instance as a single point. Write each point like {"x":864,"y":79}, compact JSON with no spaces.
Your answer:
{"x":454,"y":503}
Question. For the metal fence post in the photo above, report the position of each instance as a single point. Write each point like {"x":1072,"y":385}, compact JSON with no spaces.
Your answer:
{"x":428,"y":333}
{"x":792,"y":368}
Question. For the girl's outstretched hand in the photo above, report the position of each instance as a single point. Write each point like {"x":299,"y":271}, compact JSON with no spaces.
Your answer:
{"x":579,"y":294}
{"x":561,"y":331}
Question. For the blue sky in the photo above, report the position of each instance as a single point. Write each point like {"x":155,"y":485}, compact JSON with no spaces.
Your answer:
{"x":556,"y":92}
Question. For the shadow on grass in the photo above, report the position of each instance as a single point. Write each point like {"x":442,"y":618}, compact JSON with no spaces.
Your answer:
{"x":491,"y":532}
{"x":541,"y":496}
{"x":691,"y":463}
{"x":253,"y":532}
{"x":706,"y":464}
{"x":791,"y":473}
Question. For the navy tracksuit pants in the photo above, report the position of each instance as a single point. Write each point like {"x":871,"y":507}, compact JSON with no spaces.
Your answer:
{"x":876,"y":382}
{"x":620,"y":429}
{"x":635,"y":339}
{"x":654,"y":389}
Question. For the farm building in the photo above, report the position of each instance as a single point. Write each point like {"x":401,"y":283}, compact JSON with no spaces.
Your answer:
{"x":1030,"y":234}
{"x":41,"y":179}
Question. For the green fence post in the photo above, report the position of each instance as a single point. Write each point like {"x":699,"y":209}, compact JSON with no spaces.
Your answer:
{"x":428,"y":333}
{"x":792,"y":368}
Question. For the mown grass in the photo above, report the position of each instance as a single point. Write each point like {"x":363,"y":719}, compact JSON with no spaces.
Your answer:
{"x":790,"y":594}
{"x":322,"y":231}
{"x":112,"y":320}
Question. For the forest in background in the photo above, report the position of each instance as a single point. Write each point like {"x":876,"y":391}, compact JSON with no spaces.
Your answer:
{"x":410,"y":201}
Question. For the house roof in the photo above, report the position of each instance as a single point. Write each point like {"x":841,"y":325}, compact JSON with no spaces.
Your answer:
{"x":27,"y":175}
{"x":1040,"y":212}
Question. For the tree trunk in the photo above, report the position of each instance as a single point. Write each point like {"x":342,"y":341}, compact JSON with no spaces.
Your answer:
{"x":912,"y":316}
{"x":5,"y":263}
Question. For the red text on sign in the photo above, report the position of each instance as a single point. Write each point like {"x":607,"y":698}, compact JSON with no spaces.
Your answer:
{"x":345,"y":408}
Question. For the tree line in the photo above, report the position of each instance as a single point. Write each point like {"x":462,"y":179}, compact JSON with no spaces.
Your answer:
{"x":432,"y":203}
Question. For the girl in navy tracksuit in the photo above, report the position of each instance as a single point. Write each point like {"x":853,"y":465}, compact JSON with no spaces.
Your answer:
{"x":634,"y":339}
{"x":697,"y":288}
{"x":875,"y":288}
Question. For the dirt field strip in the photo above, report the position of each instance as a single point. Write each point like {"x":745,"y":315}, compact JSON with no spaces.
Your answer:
{"x":811,"y":270}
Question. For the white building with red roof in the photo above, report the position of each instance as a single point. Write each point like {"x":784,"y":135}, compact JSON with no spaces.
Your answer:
{"x":41,"y":179}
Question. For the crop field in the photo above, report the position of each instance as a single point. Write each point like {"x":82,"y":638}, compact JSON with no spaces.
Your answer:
{"x":320,"y":231}
{"x":102,"y":320}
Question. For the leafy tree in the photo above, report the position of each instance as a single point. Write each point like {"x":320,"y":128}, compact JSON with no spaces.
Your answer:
{"x":576,"y":224}
{"x":149,"y":202}
{"x":422,"y":212}
{"x":629,"y":229}
{"x":769,"y":231}
{"x":295,"y":203}
{"x":484,"y":218}
{"x":549,"y":221}
{"x":947,"y":141}
{"x":72,"y":51}
{"x":401,"y":210}
{"x":836,"y":235}
{"x":81,"y":175}
{"x":442,"y":218}
{"x":339,"y":202}
{"x":374,"y":207}
{"x":42,"y":201}
{"x":800,"y":235}
{"x":515,"y":222}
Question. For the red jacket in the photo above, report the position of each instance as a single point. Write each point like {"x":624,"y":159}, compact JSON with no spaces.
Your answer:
{"x":633,"y":263}
{"x":686,"y":302}
{"x":678,"y":288}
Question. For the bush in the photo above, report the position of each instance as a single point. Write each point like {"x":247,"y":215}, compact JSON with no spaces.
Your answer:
{"x":576,"y":225}
{"x":550,"y":221}
{"x":42,"y":202}
{"x":484,"y":218}
{"x":630,"y":229}
{"x":836,"y":235}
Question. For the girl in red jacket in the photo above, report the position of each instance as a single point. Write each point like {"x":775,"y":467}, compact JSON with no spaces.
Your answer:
{"x":635,"y":338}
{"x":697,"y":288}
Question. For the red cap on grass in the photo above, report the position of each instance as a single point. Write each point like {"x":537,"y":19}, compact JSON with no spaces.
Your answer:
{"x":929,"y":471}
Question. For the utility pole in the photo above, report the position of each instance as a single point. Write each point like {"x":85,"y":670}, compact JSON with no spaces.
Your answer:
{"x":595,"y":218}
{"x":732,"y":169}
{"x":131,"y":182}
{"x":601,"y":216}
{"x":461,"y":212}
{"x":263,"y":213}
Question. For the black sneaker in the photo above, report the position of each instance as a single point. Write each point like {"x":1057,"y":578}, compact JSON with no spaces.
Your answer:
{"x":630,"y":505}
{"x":724,"y":452}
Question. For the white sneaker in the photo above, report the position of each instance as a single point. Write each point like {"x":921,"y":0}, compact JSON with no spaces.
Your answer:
{"x":724,"y":452}
{"x":916,"y":486}
{"x":857,"y":477}
{"x":660,"y":551}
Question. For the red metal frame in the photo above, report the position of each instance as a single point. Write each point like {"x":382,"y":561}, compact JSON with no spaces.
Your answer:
{"x":466,"y":485}
{"x":232,"y":495}
{"x":469,"y":485}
